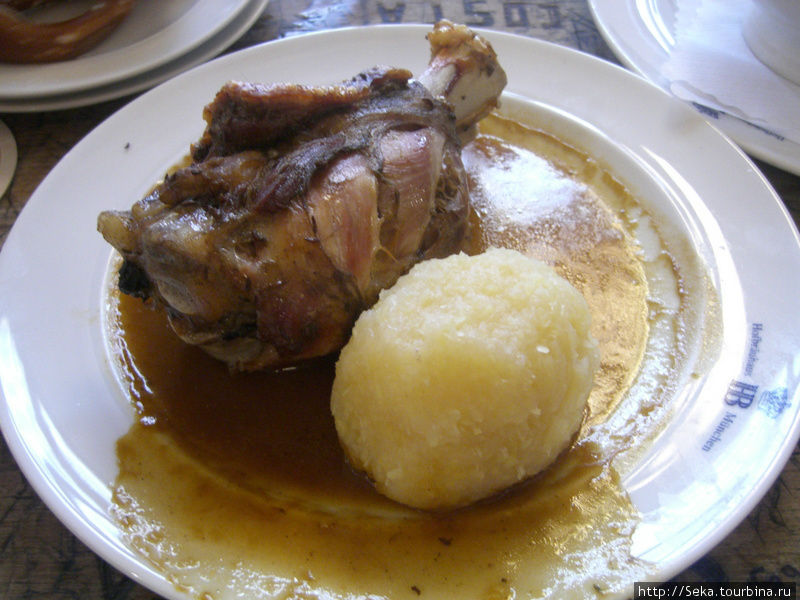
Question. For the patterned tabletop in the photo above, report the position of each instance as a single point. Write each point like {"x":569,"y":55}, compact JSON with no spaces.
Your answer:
{"x":40,"y":558}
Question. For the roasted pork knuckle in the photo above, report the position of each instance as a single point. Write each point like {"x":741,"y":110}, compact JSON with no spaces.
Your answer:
{"x":300,"y":204}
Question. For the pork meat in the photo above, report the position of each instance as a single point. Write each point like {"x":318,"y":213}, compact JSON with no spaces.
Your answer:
{"x":301,"y":203}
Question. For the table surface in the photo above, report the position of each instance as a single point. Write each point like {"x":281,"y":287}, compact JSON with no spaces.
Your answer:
{"x":40,"y":558}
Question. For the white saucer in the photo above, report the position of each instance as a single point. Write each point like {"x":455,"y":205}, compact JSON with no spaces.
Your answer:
{"x":208,"y":49}
{"x":641,"y":35}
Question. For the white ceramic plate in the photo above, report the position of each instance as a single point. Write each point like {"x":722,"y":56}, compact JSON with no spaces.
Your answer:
{"x":208,"y":49}
{"x":154,"y":33}
{"x":641,"y":34}
{"x":62,"y":409}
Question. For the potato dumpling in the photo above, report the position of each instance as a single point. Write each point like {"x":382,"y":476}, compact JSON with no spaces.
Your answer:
{"x":469,"y":375}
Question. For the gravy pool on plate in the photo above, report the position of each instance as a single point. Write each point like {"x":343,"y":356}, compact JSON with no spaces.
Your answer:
{"x":235,"y":483}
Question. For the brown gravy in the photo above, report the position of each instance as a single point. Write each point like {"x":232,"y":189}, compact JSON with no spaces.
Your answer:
{"x":236,"y":484}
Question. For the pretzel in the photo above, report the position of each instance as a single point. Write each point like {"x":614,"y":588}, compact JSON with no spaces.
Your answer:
{"x":24,"y":41}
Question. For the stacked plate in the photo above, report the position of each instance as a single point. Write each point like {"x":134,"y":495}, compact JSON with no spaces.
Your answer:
{"x":155,"y":42}
{"x":8,"y":157}
{"x":62,"y":411}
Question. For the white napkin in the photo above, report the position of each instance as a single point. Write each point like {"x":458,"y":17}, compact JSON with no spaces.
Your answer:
{"x":712,"y":65}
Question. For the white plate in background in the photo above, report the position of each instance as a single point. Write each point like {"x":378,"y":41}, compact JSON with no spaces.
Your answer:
{"x":641,"y":34}
{"x":208,"y":49}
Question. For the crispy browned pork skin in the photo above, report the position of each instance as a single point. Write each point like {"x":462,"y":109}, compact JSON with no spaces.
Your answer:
{"x":302,"y":203}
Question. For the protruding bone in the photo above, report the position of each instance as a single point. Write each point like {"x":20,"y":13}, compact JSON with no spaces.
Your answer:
{"x":464,"y":71}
